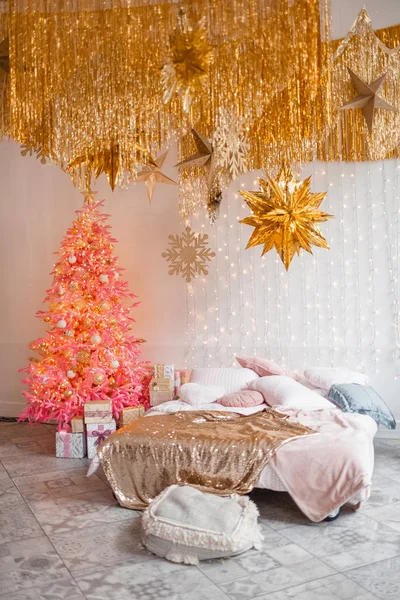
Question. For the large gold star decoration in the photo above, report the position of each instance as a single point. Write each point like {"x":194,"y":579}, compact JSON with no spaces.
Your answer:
{"x":285,"y":216}
{"x":151,"y":174}
{"x":367,"y":98}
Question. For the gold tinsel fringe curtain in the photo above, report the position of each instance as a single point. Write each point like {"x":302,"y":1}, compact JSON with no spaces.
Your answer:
{"x":85,"y":77}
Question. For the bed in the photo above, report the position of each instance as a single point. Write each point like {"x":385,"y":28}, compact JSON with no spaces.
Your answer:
{"x":321,"y":472}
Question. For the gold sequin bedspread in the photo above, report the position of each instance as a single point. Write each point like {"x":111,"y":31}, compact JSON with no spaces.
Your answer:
{"x":218,"y":452}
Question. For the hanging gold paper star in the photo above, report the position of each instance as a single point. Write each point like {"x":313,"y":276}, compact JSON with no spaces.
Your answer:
{"x":190,"y":56}
{"x":367,"y":98}
{"x":285,"y":216}
{"x":206,"y":157}
{"x":188,"y":254}
{"x":151,"y":174}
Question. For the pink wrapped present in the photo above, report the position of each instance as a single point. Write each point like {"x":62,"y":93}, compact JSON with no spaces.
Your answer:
{"x":70,"y":445}
{"x":96,"y":433}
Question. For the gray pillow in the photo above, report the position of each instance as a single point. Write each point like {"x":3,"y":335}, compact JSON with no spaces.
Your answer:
{"x":353,"y":397}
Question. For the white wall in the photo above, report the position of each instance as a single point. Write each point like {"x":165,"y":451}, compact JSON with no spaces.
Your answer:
{"x":37,"y":204}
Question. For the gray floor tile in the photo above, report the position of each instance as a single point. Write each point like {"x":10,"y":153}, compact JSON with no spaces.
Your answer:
{"x":334,"y":587}
{"x":388,"y":515}
{"x":16,"y":519}
{"x":59,"y":515}
{"x":10,"y":430}
{"x":58,"y":484}
{"x":31,"y":464}
{"x":39,"y":444}
{"x":353,"y":540}
{"x":86,"y":550}
{"x":382,"y":578}
{"x":154,"y":580}
{"x":29,"y":563}
{"x":298,"y":568}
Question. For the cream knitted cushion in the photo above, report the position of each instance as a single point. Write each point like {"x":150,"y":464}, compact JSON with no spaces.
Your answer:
{"x":185,"y":525}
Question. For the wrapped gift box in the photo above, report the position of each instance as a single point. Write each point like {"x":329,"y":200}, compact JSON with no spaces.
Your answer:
{"x":77,"y":425}
{"x":130,"y":414}
{"x":96,"y":433}
{"x":70,"y":445}
{"x":184,"y":375}
{"x":98,"y":411}
{"x":161,"y":384}
{"x":161,"y":370}
{"x":160,"y":397}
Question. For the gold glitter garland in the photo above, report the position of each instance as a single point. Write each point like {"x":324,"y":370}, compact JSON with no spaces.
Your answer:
{"x":83,"y":79}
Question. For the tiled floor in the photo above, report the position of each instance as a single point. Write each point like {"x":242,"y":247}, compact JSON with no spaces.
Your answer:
{"x":63,"y":536}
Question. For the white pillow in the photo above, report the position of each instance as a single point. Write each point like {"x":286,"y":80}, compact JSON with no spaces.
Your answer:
{"x":326,"y":377}
{"x":185,"y":525}
{"x":196,"y":394}
{"x":285,"y":391}
{"x":232,"y":380}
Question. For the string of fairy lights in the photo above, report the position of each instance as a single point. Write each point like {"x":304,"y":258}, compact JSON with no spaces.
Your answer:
{"x":332,"y":308}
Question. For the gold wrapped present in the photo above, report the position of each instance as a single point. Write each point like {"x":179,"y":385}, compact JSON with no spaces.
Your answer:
{"x":161,"y":384}
{"x":130,"y":414}
{"x":157,"y":397}
{"x":98,"y":411}
{"x":77,"y":425}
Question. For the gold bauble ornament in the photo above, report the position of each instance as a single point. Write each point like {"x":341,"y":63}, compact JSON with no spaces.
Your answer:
{"x":111,"y":380}
{"x":104,"y":306}
{"x":98,"y":378}
{"x":73,"y":286}
{"x":285,"y":216}
{"x":68,"y":393}
{"x":83,"y":357}
{"x":46,"y":319}
{"x":64,"y":384}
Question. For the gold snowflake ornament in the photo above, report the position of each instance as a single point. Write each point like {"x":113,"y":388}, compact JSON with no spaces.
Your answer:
{"x":188,"y":254}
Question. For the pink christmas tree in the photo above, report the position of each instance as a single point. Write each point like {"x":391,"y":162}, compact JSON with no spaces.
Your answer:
{"x":89,"y":352}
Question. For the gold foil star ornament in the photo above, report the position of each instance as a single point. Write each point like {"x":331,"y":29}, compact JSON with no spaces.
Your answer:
{"x":151,"y":174}
{"x":285,"y":216}
{"x":367,"y":98}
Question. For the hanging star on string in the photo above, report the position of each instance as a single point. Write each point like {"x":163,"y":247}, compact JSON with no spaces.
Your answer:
{"x":151,"y":174}
{"x":285,"y":216}
{"x":206,"y":157}
{"x":367,"y":98}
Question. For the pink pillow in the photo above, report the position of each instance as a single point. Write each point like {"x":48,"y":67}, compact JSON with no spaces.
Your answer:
{"x":243,"y":398}
{"x":264,"y":367}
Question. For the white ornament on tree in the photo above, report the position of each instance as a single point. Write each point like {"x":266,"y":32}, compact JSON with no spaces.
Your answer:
{"x":95,"y":339}
{"x":115,"y":364}
{"x":103,"y":278}
{"x":72,"y":259}
{"x":71,"y":374}
{"x":61,"y":324}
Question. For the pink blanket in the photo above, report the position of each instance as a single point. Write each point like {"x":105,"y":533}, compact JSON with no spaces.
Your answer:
{"x":322,"y":472}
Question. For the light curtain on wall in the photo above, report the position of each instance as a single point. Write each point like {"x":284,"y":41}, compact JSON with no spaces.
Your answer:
{"x":337,"y":307}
